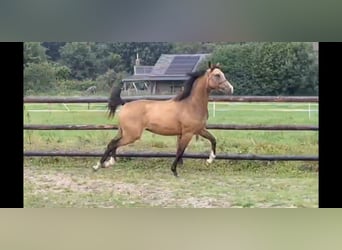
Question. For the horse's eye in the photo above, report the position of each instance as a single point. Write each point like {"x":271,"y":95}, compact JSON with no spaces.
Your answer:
{"x":217,"y":75}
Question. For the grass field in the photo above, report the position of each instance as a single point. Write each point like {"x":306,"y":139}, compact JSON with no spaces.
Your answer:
{"x":70,"y":182}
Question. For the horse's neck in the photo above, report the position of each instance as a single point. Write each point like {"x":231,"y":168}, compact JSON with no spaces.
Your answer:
{"x":200,"y":96}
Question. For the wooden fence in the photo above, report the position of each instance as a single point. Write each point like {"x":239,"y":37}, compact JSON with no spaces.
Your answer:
{"x":313,"y":99}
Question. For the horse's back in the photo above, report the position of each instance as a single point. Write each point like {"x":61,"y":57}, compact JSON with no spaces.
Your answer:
{"x":159,"y":117}
{"x":139,"y":109}
{"x":133,"y":108}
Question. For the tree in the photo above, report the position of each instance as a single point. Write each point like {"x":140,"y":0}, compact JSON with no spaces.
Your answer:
{"x":106,"y":59}
{"x":34,"y":53}
{"x":52,"y":49}
{"x":88,"y":60}
{"x":39,"y":77}
{"x":80,"y":58}
{"x":62,"y":72}
{"x":193,"y":48}
{"x":149,"y":52}
{"x":269,"y":68}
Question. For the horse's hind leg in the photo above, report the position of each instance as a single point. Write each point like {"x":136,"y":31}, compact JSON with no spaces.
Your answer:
{"x":112,"y":145}
{"x":124,"y":137}
{"x":111,"y":150}
{"x":180,"y":161}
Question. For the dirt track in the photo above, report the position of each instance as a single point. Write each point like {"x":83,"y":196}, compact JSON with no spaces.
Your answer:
{"x":49,"y":183}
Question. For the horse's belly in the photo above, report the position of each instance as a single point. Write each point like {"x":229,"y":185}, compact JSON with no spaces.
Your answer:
{"x":163,"y":128}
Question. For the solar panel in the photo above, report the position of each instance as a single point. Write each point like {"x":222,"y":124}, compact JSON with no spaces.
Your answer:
{"x":161,"y":65}
{"x":181,"y":65}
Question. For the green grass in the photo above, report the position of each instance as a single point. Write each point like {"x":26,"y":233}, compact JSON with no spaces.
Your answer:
{"x":58,"y":182}
{"x":70,"y":182}
{"x":228,"y":141}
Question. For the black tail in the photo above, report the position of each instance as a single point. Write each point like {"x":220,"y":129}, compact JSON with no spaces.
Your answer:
{"x":114,"y":100}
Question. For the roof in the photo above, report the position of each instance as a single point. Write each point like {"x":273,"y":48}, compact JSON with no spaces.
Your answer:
{"x":172,"y":67}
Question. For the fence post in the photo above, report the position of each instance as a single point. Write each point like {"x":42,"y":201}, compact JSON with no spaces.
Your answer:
{"x":309,"y":111}
{"x":214,"y":109}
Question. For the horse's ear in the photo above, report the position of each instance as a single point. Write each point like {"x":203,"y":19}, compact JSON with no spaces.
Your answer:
{"x":209,"y":64}
{"x":217,"y":65}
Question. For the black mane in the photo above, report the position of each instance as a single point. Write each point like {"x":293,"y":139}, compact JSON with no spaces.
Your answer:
{"x":188,"y":85}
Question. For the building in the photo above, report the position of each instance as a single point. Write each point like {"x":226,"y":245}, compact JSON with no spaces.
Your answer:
{"x":165,"y":77}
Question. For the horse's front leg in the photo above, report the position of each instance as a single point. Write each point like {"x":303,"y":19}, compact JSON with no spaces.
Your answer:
{"x":207,"y":135}
{"x":183,"y":143}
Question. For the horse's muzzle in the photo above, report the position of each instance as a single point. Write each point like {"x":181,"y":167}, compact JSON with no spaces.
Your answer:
{"x":227,"y":88}
{"x":230,"y":90}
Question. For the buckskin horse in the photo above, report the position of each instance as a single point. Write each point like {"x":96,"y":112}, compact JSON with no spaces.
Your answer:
{"x":183,"y":116}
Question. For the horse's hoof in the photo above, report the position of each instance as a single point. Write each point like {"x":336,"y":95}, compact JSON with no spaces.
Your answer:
{"x":96,"y":167}
{"x":208,"y":162}
{"x":109,"y":163}
{"x":212,"y":156}
{"x":175,"y":174}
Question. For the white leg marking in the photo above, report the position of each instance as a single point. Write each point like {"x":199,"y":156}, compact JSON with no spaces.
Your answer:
{"x":109,"y":163}
{"x":211,"y":157}
{"x":97,"y":166}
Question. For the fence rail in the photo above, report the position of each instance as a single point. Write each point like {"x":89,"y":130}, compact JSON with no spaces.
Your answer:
{"x":306,"y":99}
{"x":209,"y":126}
{"x":166,"y":97}
{"x":172,"y":155}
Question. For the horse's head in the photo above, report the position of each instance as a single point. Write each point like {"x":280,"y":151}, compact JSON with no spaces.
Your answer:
{"x":217,"y":80}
